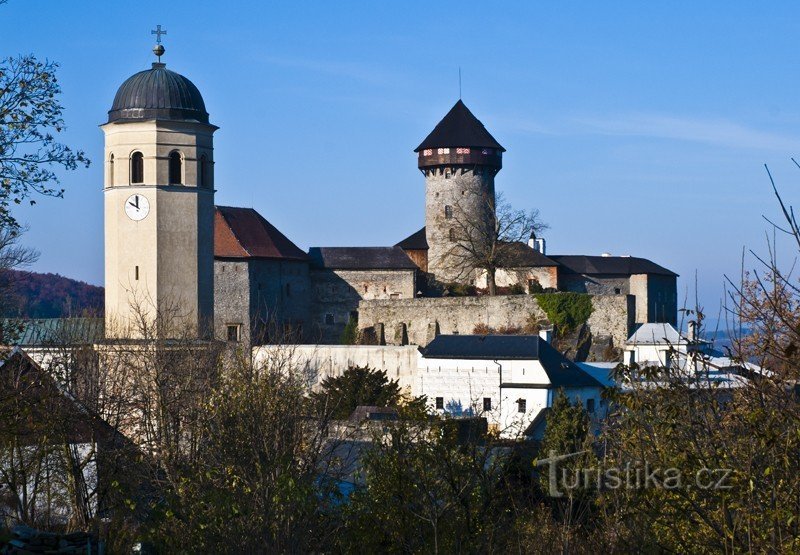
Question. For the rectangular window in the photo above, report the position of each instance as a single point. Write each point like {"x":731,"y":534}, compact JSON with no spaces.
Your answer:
{"x":439,"y":403}
{"x":590,"y":405}
{"x":522,"y":405}
{"x":137,"y":273}
{"x":487,"y":404}
{"x":234,"y":332}
{"x":329,"y":319}
{"x":448,"y":212}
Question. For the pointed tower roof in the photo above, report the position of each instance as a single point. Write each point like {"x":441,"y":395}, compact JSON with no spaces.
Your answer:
{"x":459,"y":128}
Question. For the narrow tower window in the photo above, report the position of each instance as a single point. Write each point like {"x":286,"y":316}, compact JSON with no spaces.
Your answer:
{"x":137,"y":168}
{"x":111,"y":171}
{"x":203,"y":170}
{"x":175,"y":169}
{"x":448,"y":212}
{"x":452,"y":235}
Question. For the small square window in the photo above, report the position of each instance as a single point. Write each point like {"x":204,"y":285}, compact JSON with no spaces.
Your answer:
{"x":522,"y":405}
{"x":487,"y":404}
{"x":329,"y":319}
{"x":617,"y":290}
{"x":234,"y":332}
{"x":439,"y":403}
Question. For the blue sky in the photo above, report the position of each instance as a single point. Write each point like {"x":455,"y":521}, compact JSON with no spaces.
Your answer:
{"x":635,"y":128}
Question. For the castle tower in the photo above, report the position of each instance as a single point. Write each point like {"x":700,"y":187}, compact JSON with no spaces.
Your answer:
{"x":159,"y":206}
{"x":459,"y":160}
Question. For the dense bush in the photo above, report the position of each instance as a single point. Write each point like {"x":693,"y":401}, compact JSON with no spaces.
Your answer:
{"x":566,"y":311}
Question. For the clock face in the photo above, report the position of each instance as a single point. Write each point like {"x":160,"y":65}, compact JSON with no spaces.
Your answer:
{"x":137,"y":207}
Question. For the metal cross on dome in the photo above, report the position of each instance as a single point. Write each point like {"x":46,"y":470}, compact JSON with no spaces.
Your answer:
{"x":158,"y":32}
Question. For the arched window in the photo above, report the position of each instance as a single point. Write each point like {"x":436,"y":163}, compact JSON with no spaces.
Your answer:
{"x":137,"y":168}
{"x":111,"y":170}
{"x":448,"y":212}
{"x":175,"y":170}
{"x":202,"y":169}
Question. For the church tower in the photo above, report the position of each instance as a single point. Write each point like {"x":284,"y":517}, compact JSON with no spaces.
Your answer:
{"x":459,"y":160}
{"x":159,"y":207}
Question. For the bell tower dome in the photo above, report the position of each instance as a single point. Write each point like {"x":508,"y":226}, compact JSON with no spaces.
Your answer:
{"x":459,"y":159}
{"x":159,"y":207}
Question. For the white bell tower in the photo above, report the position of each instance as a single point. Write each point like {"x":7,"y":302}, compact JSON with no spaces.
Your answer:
{"x":159,"y":208}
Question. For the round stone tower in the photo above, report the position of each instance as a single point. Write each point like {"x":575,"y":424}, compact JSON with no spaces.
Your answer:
{"x":159,"y":206}
{"x":459,"y":160}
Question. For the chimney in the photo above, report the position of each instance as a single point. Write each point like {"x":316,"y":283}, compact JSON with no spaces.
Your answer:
{"x":540,"y":245}
{"x":692,"y":329}
{"x":546,"y":335}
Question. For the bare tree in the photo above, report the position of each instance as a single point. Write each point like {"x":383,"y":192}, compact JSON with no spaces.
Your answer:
{"x":488,"y":244}
{"x":30,"y":113}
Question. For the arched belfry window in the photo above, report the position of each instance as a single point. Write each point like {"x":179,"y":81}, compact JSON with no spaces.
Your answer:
{"x":137,"y":167}
{"x":111,"y":170}
{"x":202,"y":178}
{"x":175,"y":169}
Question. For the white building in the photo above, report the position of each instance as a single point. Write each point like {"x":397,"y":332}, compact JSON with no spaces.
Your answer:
{"x":509,"y":379}
{"x":663,"y":346}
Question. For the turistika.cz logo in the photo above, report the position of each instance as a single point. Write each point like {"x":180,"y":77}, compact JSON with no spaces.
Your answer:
{"x":630,"y":476}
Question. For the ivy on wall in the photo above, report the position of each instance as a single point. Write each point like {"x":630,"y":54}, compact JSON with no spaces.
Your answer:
{"x":566,"y":311}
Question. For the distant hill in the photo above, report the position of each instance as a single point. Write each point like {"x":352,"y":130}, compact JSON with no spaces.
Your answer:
{"x":34,"y":295}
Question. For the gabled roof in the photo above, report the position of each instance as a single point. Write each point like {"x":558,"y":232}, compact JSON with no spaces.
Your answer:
{"x":618,"y":265}
{"x":561,"y":371}
{"x":244,"y":233}
{"x":519,"y":255}
{"x":417,"y":241}
{"x":459,"y":128}
{"x":360,"y":258}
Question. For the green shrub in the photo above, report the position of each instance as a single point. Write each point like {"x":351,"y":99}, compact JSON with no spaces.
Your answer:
{"x":350,"y":333}
{"x":566,"y":311}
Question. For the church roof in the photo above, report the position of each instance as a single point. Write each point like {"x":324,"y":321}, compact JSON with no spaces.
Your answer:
{"x":244,"y":233}
{"x":360,"y":258}
{"x":561,"y":371}
{"x":417,"y":241}
{"x":158,"y":93}
{"x":617,"y":265}
{"x":459,"y":128}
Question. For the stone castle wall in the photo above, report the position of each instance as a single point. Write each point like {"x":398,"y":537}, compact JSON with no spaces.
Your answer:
{"x":418,"y":321}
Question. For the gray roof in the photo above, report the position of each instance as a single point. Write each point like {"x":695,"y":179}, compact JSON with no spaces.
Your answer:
{"x":561,"y":371}
{"x":656,"y":334}
{"x":417,"y":241}
{"x":519,"y":255}
{"x":53,"y":332}
{"x":609,"y":265}
{"x":360,"y":258}
{"x":158,"y":93}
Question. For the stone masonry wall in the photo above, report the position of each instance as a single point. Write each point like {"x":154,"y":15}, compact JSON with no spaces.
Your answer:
{"x":338,"y":292}
{"x":417,"y":321}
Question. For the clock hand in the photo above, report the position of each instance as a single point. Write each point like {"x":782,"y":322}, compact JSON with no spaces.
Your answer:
{"x":136,"y":198}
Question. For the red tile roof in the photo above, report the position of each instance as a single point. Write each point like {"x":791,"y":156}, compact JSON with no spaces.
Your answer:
{"x":244,"y":233}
